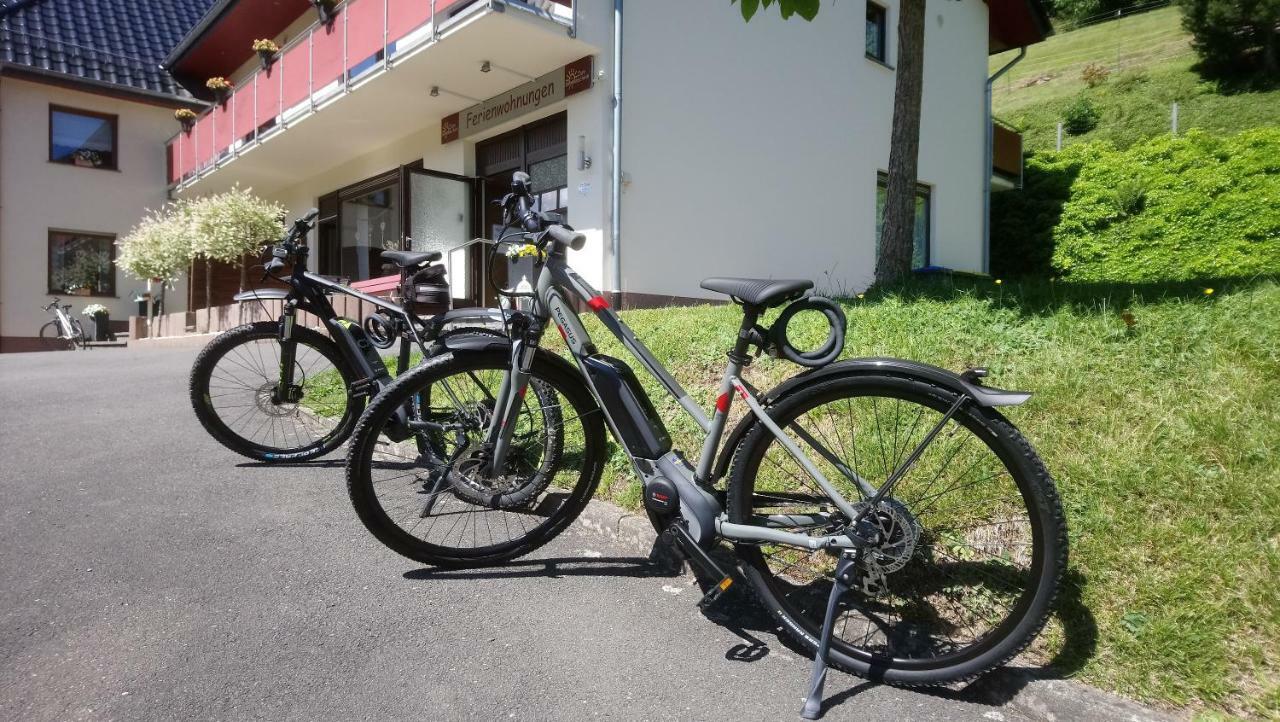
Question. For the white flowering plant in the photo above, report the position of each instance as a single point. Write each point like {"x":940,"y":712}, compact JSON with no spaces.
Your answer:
{"x":159,"y":246}
{"x":95,"y":309}
{"x":228,"y":225}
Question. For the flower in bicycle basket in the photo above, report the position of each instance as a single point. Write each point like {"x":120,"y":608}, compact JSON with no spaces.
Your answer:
{"x":516,"y":252}
{"x":94,"y":309}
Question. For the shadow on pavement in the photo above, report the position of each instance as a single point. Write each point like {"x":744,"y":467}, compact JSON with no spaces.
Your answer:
{"x":739,"y":613}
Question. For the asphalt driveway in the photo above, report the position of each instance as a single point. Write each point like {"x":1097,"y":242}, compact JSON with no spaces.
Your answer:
{"x":148,"y":573}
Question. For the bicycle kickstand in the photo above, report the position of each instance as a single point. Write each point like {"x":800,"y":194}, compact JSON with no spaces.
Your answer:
{"x":843,"y":580}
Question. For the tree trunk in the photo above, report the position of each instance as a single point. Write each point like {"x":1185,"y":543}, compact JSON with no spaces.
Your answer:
{"x":244,"y":281}
{"x":208,"y":295}
{"x":151,"y":329}
{"x":896,"y":241}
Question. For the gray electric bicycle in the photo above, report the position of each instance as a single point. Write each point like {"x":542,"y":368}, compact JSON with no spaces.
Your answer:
{"x":883,"y":510}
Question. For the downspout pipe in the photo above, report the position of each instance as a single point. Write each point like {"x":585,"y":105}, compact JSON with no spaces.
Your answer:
{"x":989,"y":159}
{"x":615,"y":211}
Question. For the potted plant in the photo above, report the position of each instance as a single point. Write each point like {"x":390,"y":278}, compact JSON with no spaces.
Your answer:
{"x":187,"y":117}
{"x":220,"y":86}
{"x":324,"y":8}
{"x":266,"y":50}
{"x":101,"y":320}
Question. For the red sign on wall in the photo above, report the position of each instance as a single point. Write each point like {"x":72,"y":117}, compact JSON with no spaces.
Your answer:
{"x":533,"y":95}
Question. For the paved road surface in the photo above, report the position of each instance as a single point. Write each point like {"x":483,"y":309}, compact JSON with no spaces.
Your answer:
{"x":149,"y":574}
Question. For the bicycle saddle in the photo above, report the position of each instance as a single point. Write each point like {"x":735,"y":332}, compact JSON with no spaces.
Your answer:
{"x":406,"y":259}
{"x":767,"y":292}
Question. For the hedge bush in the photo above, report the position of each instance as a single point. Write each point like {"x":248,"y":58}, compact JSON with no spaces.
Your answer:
{"x":1169,"y":209}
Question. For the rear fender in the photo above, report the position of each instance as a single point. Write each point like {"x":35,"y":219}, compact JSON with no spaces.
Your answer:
{"x":981,"y":395}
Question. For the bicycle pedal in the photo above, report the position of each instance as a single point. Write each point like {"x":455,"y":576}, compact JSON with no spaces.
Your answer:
{"x":713,"y":596}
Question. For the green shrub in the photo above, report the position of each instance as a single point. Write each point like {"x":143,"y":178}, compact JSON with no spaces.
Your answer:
{"x":1172,"y":209}
{"x":1080,"y":117}
{"x":1196,"y":206}
{"x":1130,"y":196}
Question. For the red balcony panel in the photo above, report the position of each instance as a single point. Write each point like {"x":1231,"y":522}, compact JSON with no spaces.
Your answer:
{"x":242,"y":112}
{"x":186,"y":153}
{"x":204,"y":140}
{"x":268,"y":89}
{"x":327,"y":44}
{"x":222,"y":135}
{"x":295,"y":66}
{"x":405,"y":16}
{"x":364,"y":30}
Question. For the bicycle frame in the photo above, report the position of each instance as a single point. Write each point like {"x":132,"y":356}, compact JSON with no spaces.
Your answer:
{"x":699,"y":507}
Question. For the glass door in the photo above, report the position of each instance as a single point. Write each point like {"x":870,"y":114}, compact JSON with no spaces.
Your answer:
{"x":440,"y":210}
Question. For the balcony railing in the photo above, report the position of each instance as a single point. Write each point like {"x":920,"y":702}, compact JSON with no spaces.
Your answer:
{"x":321,"y":64}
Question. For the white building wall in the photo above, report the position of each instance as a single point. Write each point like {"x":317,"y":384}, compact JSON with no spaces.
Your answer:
{"x":752,"y":148}
{"x":36,"y":196}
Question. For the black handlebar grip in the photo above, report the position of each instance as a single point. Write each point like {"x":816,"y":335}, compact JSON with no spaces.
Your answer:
{"x":311,"y":215}
{"x":566,"y":237}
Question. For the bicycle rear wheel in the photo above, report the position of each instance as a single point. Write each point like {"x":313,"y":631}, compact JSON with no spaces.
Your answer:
{"x":442,"y":507}
{"x":974,"y":542}
{"x":234,"y":394}
{"x":51,"y":338}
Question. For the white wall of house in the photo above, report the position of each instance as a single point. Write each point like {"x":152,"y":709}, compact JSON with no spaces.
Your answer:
{"x":753,"y":149}
{"x":37,"y":195}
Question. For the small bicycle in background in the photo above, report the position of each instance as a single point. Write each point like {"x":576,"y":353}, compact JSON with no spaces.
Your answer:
{"x":63,"y":332}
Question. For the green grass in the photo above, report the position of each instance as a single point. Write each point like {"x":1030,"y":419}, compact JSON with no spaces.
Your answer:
{"x":1151,"y":62}
{"x":1162,"y":438}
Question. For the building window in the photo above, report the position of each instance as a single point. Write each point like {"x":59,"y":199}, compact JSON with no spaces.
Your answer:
{"x":920,"y":244}
{"x":82,"y":138}
{"x":876,"y":16}
{"x":82,"y":264}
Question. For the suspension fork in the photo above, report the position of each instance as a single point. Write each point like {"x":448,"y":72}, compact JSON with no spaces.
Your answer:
{"x":511,"y":393}
{"x":288,"y":353}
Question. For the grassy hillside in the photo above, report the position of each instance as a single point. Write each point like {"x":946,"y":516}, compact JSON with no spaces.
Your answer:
{"x":1150,"y":60}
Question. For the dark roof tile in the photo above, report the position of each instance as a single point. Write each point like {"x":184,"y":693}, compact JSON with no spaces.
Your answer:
{"x":119,"y":42}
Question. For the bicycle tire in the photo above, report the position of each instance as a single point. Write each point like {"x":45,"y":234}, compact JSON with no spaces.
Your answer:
{"x":547,"y":368}
{"x":1048,"y":555}
{"x":202,"y":372}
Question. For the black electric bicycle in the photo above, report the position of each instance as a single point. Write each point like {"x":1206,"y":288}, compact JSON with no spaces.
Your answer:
{"x":276,"y":391}
{"x":898,"y":481}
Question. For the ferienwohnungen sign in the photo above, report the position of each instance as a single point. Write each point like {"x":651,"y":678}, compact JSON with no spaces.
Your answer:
{"x":537,"y":93}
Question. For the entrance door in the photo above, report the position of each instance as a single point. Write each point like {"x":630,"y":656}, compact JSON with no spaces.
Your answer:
{"x":440,"y":216}
{"x":539,"y":149}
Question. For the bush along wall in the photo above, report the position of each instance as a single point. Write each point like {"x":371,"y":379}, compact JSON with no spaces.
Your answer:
{"x":1168,"y":209}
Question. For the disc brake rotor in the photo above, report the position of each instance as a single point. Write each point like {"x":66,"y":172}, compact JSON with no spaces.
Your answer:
{"x":899,"y":534}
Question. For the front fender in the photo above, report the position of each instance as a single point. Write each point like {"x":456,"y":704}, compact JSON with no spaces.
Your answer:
{"x":981,"y":395}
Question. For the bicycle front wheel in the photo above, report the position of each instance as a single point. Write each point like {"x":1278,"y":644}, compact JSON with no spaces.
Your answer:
{"x":234,"y":392}
{"x":973,"y":542}
{"x":445,"y":506}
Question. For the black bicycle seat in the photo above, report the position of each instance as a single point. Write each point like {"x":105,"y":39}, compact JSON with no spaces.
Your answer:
{"x":407,"y":259}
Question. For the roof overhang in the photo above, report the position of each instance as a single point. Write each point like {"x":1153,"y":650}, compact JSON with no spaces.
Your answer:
{"x":220,"y":42}
{"x":1016,"y":24}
